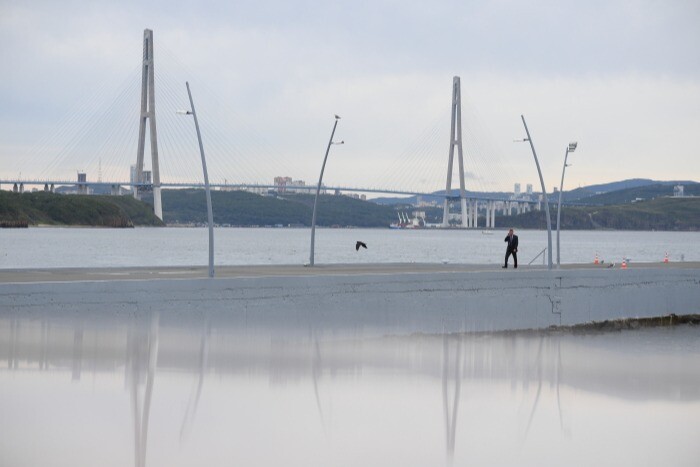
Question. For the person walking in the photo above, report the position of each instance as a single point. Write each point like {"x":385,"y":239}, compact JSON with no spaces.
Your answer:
{"x":512,"y":248}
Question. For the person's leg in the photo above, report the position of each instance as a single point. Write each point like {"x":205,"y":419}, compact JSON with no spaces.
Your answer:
{"x":508,"y":252}
{"x":515,"y":259}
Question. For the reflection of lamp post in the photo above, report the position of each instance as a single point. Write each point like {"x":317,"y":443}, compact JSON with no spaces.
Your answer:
{"x":318,"y":190}
{"x":544,"y":194}
{"x":570,"y":148}
{"x":210,"y":215}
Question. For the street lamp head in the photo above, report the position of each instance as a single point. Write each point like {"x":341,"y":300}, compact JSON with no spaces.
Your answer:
{"x":522,"y":140}
{"x":183,"y":112}
{"x":337,"y":117}
{"x":572,"y":146}
{"x":341,"y":142}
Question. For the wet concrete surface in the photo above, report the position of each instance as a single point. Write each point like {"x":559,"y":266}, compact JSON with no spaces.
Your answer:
{"x":113,"y":389}
{"x":191,"y":272}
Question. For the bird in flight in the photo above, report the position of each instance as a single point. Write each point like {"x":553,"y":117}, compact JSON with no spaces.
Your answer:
{"x":360,"y":244}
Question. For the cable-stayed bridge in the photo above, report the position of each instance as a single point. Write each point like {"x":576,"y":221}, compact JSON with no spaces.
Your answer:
{"x":102,"y":137}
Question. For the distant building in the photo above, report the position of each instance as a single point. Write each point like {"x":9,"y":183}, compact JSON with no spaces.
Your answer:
{"x":133,"y":175}
{"x":298,"y":184}
{"x":354,"y":195}
{"x":82,"y":178}
{"x":529,"y":188}
{"x":516,"y":190}
{"x":258,"y":190}
{"x":421,"y":203}
{"x":281,"y":183}
{"x":678,"y":191}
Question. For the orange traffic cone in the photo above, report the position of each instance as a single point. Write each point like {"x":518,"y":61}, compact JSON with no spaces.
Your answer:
{"x":666,"y":258}
{"x":595,"y":261}
{"x":624,"y":264}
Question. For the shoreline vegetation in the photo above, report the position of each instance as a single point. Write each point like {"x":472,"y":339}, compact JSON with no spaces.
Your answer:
{"x":42,"y":208}
{"x":187,"y":208}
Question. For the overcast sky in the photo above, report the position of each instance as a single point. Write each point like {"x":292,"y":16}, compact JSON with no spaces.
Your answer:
{"x":620,"y":77}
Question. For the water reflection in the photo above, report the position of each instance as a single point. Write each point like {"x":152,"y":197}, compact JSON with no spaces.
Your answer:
{"x":281,"y":394}
{"x":193,"y":402}
{"x":141,"y":363}
{"x":451,"y":381}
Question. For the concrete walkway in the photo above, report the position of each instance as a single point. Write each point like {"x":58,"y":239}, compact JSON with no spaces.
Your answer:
{"x":191,"y":272}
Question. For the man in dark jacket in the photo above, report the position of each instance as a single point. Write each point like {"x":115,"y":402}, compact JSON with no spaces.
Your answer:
{"x":512,"y":248}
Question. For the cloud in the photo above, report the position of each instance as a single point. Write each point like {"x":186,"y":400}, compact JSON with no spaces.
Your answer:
{"x":618,"y":76}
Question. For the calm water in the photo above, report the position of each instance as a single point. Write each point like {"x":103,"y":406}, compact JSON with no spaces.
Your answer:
{"x":84,"y":247}
{"x":162,"y":390}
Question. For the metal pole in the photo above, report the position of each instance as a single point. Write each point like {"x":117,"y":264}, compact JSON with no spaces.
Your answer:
{"x":210,"y":214}
{"x":318,"y":190}
{"x":561,"y":188}
{"x":544,"y":193}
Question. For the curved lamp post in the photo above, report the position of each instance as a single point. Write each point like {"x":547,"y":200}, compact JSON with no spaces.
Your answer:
{"x":544,"y":193}
{"x":570,"y":148}
{"x":318,"y":190}
{"x":210,"y":215}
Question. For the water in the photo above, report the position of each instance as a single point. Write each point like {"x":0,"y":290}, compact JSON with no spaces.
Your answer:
{"x":162,"y":390}
{"x":89,"y":247}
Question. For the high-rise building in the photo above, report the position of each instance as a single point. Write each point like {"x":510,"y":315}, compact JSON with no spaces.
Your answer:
{"x":82,"y":178}
{"x":516,"y":189}
{"x":529,"y":188}
{"x":282,"y":182}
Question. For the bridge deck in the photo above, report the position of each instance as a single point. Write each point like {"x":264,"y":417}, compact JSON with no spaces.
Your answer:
{"x":192,"y":272}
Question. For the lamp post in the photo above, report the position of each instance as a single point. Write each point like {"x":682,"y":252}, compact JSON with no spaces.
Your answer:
{"x":544,"y":193}
{"x":318,"y":190}
{"x":570,"y":148}
{"x":210,"y":215}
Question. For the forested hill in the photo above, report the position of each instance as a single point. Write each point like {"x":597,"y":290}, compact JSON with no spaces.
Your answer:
{"x":646,"y":192}
{"x":55,"y":209}
{"x":240,"y":208}
{"x":658,"y":214}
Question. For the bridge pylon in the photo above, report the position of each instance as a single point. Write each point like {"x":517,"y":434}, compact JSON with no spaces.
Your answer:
{"x":456,"y":140}
{"x":148,"y":112}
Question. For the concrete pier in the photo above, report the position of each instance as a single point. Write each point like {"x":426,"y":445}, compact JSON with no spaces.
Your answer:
{"x":379,"y":298}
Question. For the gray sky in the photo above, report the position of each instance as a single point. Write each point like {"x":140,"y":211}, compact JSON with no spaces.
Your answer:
{"x":621,"y":77}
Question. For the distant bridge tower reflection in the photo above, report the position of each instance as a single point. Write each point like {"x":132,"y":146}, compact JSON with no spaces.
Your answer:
{"x":142,"y":356}
{"x":451,"y":380}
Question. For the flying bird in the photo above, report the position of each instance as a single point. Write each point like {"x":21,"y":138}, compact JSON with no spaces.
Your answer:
{"x":360,"y":244}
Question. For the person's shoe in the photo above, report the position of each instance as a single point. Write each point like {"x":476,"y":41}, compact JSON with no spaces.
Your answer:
{"x":515,"y":267}
{"x":504,"y":267}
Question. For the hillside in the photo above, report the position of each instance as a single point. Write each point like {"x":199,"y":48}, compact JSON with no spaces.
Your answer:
{"x":240,"y":208}
{"x":657,"y":214}
{"x":646,"y":192}
{"x":55,"y":209}
{"x":590,"y":194}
